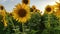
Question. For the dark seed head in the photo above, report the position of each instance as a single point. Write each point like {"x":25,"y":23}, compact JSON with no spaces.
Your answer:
{"x":48,"y":9}
{"x":22,"y":12}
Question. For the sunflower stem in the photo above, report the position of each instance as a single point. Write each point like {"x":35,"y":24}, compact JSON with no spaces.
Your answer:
{"x":22,"y":28}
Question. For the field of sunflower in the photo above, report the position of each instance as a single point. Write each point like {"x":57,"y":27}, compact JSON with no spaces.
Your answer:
{"x":28,"y":20}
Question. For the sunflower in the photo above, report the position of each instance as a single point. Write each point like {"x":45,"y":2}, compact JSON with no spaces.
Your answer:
{"x":57,"y":6}
{"x":21,"y":13}
{"x":33,"y":9}
{"x":57,"y":14}
{"x":57,"y":9}
{"x":1,"y":7}
{"x":3,"y":13}
{"x":26,"y":1}
{"x":49,"y":9}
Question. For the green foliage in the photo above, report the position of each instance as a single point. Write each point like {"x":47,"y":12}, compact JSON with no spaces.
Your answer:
{"x":45,"y":24}
{"x":34,"y":23}
{"x":51,"y":23}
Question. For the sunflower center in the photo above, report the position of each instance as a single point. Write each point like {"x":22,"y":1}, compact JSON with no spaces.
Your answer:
{"x":1,"y":8}
{"x":22,"y":12}
{"x":25,"y":1}
{"x":48,"y":9}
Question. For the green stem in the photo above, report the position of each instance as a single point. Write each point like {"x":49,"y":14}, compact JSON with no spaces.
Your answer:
{"x":22,"y":28}
{"x":49,"y":21}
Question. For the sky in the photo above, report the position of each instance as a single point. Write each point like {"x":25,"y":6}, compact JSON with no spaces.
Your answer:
{"x":40,"y":4}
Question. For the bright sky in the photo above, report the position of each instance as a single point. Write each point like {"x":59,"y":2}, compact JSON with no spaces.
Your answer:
{"x":40,"y":4}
